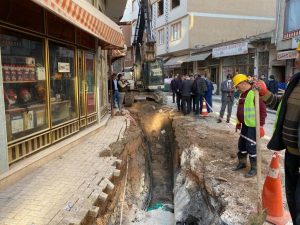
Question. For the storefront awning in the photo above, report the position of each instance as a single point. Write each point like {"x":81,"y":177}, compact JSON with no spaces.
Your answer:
{"x":176,"y":61}
{"x":199,"y":57}
{"x":85,"y":16}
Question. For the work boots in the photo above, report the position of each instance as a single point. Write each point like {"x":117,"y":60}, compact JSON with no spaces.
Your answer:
{"x":242,"y":162}
{"x":252,"y":172}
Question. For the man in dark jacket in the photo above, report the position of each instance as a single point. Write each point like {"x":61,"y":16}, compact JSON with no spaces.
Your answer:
{"x":287,"y":136}
{"x":173,"y":88}
{"x":199,"y":88}
{"x":227,"y":90}
{"x":186,"y":92}
{"x":272,"y":85}
{"x":178,"y":88}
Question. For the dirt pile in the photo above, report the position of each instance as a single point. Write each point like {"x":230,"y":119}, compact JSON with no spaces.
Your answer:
{"x":206,"y":190}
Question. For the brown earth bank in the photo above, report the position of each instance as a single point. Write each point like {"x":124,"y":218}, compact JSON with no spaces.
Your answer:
{"x":182,"y":161}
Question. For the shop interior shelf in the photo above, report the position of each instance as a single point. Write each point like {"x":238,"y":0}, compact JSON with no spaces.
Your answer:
{"x":20,"y":81}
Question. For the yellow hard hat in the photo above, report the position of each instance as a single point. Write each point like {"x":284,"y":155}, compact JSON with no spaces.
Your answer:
{"x":298,"y":48}
{"x":239,"y":78}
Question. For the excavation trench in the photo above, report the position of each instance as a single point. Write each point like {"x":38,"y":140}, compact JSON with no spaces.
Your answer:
{"x":171,"y":174}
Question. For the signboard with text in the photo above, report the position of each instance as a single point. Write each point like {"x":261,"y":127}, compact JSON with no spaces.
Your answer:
{"x":286,"y":55}
{"x":228,"y":50}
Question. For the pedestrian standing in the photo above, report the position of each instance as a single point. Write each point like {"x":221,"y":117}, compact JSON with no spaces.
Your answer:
{"x":123,"y":86}
{"x":199,"y":88}
{"x":173,"y":89}
{"x":246,"y":122}
{"x":187,"y":84}
{"x":273,"y":85}
{"x":286,"y":135}
{"x":193,"y":96}
{"x":227,"y":98}
{"x":209,"y":93}
{"x":178,"y":88}
{"x":115,"y":90}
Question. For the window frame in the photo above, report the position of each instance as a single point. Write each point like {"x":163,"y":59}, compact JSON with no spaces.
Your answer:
{"x":161,"y":36}
{"x":172,"y":36}
{"x":160,"y":13}
{"x":173,"y":7}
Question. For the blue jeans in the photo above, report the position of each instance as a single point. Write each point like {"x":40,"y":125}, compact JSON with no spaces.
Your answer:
{"x":116,"y":98}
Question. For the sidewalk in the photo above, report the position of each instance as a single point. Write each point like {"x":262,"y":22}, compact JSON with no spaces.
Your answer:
{"x":64,"y":190}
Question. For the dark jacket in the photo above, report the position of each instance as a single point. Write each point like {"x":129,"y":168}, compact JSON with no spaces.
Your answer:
{"x":227,"y":91}
{"x":172,"y":85}
{"x":199,"y":86}
{"x":187,"y":88}
{"x":273,"y":86}
{"x":277,"y":142}
{"x":178,"y":85}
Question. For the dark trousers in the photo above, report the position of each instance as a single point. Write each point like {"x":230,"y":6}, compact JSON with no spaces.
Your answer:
{"x":199,"y":100}
{"x":178,"y":100}
{"x":173,"y":95}
{"x":186,"y":104}
{"x":292,"y":185}
{"x":229,"y":103}
{"x":245,"y":146}
{"x":193,"y":102}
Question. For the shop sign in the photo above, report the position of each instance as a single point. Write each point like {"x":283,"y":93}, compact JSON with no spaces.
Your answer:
{"x":295,"y":42}
{"x":63,"y":67}
{"x":234,"y":49}
{"x":286,"y":55}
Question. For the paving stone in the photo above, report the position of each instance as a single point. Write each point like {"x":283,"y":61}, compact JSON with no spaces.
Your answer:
{"x":42,"y":197}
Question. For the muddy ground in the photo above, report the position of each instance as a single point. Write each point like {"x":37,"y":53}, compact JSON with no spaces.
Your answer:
{"x":184,"y":162}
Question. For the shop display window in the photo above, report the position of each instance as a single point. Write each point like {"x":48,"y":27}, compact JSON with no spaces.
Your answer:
{"x":62,"y":83}
{"x":90,"y":79}
{"x":24,"y":82}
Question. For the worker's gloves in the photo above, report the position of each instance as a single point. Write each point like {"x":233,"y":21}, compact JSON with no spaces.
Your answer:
{"x":238,"y":126}
{"x":261,"y":86}
{"x":262,"y":132}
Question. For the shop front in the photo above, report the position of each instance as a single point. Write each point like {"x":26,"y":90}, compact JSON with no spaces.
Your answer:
{"x":235,"y":59}
{"x":50,"y":76}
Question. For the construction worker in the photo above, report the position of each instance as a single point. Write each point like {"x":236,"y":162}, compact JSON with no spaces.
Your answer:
{"x":247,"y":123}
{"x":287,"y":135}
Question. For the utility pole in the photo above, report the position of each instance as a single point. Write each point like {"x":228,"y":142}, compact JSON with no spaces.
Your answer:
{"x":258,"y":153}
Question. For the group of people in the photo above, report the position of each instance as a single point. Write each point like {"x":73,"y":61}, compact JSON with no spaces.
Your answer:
{"x":119,"y":86}
{"x":286,"y":134}
{"x":189,"y":91}
{"x":274,"y":86}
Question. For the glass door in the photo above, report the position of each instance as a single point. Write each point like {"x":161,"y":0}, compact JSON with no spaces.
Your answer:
{"x":87,"y":85}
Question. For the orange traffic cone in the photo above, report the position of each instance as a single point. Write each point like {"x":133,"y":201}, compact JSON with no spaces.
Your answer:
{"x":204,"y":109}
{"x":272,"y":196}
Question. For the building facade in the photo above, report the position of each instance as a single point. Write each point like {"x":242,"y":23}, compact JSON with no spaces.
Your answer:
{"x":185,"y":26}
{"x":287,"y":35}
{"x":54,"y":72}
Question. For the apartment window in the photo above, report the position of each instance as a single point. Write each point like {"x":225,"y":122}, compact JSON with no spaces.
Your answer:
{"x":292,"y":15}
{"x":175,"y":3}
{"x":161,"y":36}
{"x":175,"y":31}
{"x":160,"y":8}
